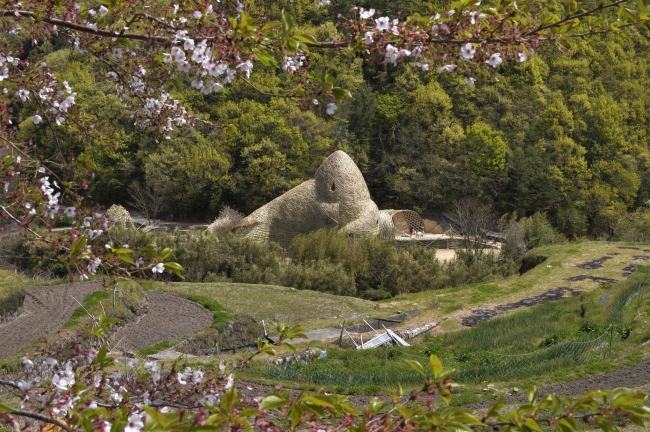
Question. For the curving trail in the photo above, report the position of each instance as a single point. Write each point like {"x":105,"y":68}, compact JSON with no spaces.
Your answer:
{"x":46,"y":310}
{"x":169,"y":317}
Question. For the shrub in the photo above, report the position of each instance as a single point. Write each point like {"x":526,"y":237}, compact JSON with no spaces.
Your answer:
{"x":319,"y":276}
{"x":539,"y":232}
{"x":633,"y":227}
{"x":530,"y":260}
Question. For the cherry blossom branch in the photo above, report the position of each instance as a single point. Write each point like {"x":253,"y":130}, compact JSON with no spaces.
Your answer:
{"x":82,"y":28}
{"x":149,"y":17}
{"x":240,"y":76}
{"x":41,"y":417}
{"x":600,"y":32}
{"x":578,"y":15}
{"x":9,"y":384}
{"x":19,"y":223}
{"x":49,"y":124}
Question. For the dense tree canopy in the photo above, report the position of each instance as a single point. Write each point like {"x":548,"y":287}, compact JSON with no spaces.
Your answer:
{"x":527,"y":107}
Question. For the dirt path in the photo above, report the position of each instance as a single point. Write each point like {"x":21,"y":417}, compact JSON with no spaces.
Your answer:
{"x":169,"y":317}
{"x":47,"y":309}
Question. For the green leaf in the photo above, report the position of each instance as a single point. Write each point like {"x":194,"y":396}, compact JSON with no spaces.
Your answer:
{"x":306,"y":38}
{"x":273,"y":401}
{"x":78,"y":245}
{"x":532,"y":424}
{"x":5,"y":409}
{"x":173,"y":266}
{"x":531,"y":394}
{"x":246,"y":22}
{"x":126,"y":258}
{"x":296,"y":416}
{"x":340,"y":93}
{"x":556,"y":404}
{"x":642,"y":411}
{"x":123,"y":250}
{"x":249,"y":412}
{"x":626,"y":400}
{"x":435,"y":364}
{"x":271,"y":25}
{"x":417,"y":366}
{"x":287,"y":22}
{"x":228,"y":399}
{"x":637,"y":421}
{"x":567,"y":424}
{"x":265,"y":56}
{"x":86,"y":161}
{"x":320,"y":400}
{"x":494,"y":409}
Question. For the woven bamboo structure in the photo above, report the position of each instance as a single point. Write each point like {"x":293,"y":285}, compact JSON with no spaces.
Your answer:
{"x":119,"y":216}
{"x":398,"y":222}
{"x":337,"y":197}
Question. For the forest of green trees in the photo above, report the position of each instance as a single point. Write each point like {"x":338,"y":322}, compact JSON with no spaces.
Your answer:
{"x":565,"y":133}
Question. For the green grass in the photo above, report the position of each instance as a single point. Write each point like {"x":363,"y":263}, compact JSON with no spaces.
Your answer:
{"x":221,"y":315}
{"x":101,"y":302}
{"x":90,"y":303}
{"x":556,"y":341}
{"x":12,"y":292}
{"x":273,"y":303}
{"x":561,"y":257}
{"x":160,"y":346}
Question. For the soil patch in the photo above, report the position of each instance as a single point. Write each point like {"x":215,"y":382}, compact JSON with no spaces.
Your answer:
{"x":45,"y":310}
{"x":480,"y":315}
{"x":629,"y":247}
{"x":240,"y":333}
{"x":641,"y":257}
{"x":632,"y":267}
{"x":169,"y":317}
{"x":595,"y":264}
{"x":592,"y":278}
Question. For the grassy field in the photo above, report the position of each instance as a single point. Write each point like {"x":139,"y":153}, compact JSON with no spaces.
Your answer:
{"x":548,"y":336}
{"x":561,"y":264}
{"x":552,"y":342}
{"x":272,"y":303}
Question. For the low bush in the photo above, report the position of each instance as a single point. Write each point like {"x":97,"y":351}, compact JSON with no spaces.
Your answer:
{"x":633,"y":227}
{"x":325,"y":261}
{"x":530,"y":260}
{"x":538,"y":231}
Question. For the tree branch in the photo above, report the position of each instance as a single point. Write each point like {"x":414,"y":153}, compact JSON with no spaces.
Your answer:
{"x":84,"y":28}
{"x":19,"y":223}
{"x":10,"y":384}
{"x":41,"y":417}
{"x":574,"y":16}
{"x":260,"y":90}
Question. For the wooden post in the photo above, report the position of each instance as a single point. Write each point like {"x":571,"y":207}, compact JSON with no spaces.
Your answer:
{"x":341,"y":336}
{"x":309,"y":365}
{"x":386,"y":366}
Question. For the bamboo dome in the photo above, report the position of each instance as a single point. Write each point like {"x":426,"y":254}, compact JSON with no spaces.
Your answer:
{"x":337,"y":197}
{"x":397,"y":222}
